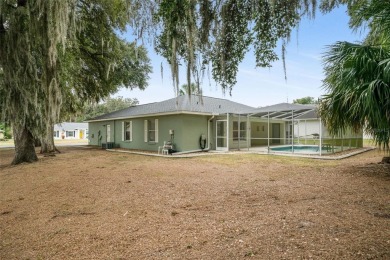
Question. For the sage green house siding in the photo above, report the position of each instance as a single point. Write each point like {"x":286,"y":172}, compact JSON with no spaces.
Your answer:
{"x":189,"y":129}
{"x":98,"y":132}
{"x":186,"y":132}
{"x":188,"y":118}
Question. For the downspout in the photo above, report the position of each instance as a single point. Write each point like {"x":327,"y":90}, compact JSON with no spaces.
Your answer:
{"x":208,"y":133}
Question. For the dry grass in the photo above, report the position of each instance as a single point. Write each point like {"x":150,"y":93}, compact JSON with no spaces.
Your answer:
{"x":93,"y":204}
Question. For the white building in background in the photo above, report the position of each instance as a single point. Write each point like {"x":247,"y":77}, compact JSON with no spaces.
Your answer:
{"x":309,"y":126}
{"x":367,"y":136}
{"x":68,"y":130}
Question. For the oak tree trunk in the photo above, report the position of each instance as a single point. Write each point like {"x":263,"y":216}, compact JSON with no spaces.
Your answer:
{"x":24,"y":145}
{"x":37,"y":142}
{"x":386,"y":159}
{"x":47,"y":141}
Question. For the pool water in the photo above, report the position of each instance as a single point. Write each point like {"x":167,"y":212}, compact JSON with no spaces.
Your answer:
{"x":297,"y":148}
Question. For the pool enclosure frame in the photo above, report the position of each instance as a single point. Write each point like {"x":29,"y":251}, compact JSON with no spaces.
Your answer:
{"x":293,"y":119}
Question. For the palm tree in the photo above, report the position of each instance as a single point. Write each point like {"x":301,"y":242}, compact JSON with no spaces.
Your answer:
{"x":357,"y":76}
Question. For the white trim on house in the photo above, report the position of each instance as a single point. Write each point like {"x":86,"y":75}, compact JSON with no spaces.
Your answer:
{"x":131,"y":131}
{"x":156,"y":130}
{"x":124,"y":131}
{"x":108,"y":133}
{"x":146,"y":131}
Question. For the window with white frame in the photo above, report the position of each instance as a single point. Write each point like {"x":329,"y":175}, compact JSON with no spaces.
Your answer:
{"x":127,"y":131}
{"x":56,"y":134}
{"x":151,"y":130}
{"x":70,"y":134}
{"x":239,"y":131}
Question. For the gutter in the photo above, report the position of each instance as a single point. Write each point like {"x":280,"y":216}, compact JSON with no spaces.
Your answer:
{"x":149,"y":115}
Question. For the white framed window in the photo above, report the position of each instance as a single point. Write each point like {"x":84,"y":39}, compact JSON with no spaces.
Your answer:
{"x":127,"y":131}
{"x":70,"y":134}
{"x":239,"y":131}
{"x":151,"y":130}
{"x":56,"y":133}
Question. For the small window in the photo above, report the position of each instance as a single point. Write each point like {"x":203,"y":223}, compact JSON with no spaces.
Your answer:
{"x":70,"y":134}
{"x":151,"y":131}
{"x":56,"y":134}
{"x":239,"y":132}
{"x":127,"y":131}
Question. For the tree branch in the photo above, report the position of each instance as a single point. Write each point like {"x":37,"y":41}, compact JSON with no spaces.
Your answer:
{"x":22,"y":2}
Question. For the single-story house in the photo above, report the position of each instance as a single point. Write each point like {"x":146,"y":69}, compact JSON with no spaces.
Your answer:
{"x":70,"y":130}
{"x":204,"y":123}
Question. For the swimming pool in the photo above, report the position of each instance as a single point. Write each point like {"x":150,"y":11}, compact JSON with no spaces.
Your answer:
{"x":297,"y":149}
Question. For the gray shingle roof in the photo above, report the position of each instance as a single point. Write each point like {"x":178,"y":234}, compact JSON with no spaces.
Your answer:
{"x":284,"y":111}
{"x":70,"y":126}
{"x":181,"y":104}
{"x":309,"y":115}
{"x":285,"y":107}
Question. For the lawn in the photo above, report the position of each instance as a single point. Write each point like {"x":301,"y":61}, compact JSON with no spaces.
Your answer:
{"x":93,"y":204}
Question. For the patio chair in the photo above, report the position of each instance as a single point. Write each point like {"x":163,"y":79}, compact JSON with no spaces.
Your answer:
{"x":165,"y":148}
{"x":315,"y":137}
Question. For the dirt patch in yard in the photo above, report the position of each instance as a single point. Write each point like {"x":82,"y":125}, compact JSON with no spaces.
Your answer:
{"x":93,"y":204}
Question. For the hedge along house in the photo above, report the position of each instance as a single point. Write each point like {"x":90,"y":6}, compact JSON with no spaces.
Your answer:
{"x":203,"y":123}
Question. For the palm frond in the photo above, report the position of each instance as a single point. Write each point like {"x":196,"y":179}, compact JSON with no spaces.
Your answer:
{"x":358,"y":81}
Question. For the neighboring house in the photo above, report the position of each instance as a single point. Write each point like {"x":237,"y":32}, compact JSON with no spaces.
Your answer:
{"x":367,"y":136}
{"x":69,"y":130}
{"x":196,"y":123}
{"x":308,"y":129}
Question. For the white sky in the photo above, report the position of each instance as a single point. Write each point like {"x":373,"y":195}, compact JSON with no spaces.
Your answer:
{"x":265,"y":86}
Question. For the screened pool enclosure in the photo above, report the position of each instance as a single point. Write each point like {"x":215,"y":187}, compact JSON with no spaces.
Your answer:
{"x":281,"y":128}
